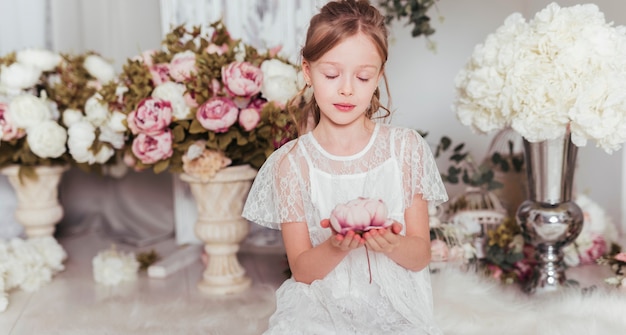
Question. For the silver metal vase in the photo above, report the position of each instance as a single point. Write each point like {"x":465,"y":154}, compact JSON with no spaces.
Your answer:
{"x":549,"y":219}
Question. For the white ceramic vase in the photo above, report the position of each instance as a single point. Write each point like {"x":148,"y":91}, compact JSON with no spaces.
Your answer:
{"x":38,"y":207}
{"x":221,"y":227}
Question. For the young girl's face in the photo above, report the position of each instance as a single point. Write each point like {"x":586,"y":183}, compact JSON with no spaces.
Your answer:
{"x":344,"y":79}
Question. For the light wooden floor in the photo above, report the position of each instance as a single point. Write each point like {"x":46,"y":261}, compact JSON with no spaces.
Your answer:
{"x":75,"y":288}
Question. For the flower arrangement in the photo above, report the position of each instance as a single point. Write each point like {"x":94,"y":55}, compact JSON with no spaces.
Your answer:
{"x":204,"y":102}
{"x":28,"y":265}
{"x":41,"y":94}
{"x":564,"y":69}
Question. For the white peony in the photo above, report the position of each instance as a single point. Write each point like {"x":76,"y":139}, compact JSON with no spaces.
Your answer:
{"x":71,"y":116}
{"x":116,"y":122}
{"x":108,"y":135}
{"x":103,"y":155}
{"x":99,"y":68}
{"x":563,"y":69}
{"x":18,"y":77}
{"x":279,"y":81}
{"x":47,"y":139}
{"x":80,"y":138}
{"x":111,"y":267}
{"x":27,"y":111}
{"x":42,"y":59}
{"x":174,"y":93}
{"x":96,"y":112}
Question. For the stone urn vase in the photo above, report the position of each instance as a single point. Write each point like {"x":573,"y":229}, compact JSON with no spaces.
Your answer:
{"x":221,"y":227}
{"x":38,"y":207}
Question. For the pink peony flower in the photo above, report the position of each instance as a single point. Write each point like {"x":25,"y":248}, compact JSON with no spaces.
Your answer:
{"x":183,"y":65}
{"x":160,"y":73}
{"x":597,"y":249}
{"x":242,"y":79}
{"x":359,"y":215}
{"x":9,"y":131}
{"x":151,"y":116}
{"x":249,"y":118}
{"x":150,"y":149}
{"x":438,"y":251}
{"x":217,"y":114}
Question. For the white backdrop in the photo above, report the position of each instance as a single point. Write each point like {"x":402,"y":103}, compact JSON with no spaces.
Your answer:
{"x":421,"y":81}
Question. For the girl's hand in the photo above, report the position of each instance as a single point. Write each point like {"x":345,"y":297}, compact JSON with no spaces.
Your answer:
{"x":346,"y":242}
{"x":383,"y":240}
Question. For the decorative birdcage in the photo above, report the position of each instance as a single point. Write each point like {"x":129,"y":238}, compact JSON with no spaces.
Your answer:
{"x":478,"y":211}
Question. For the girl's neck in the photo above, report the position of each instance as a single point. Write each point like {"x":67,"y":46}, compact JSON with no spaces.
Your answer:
{"x":344,"y":140}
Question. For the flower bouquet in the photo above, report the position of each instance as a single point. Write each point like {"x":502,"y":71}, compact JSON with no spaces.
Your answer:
{"x":564,"y":70}
{"x":204,"y":102}
{"x":42,"y":93}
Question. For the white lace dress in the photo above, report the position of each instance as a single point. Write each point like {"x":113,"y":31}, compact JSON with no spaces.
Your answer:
{"x":301,"y":182}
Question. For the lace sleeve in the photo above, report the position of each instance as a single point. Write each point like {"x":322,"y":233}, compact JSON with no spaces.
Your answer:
{"x":419,"y":169}
{"x":276,"y":194}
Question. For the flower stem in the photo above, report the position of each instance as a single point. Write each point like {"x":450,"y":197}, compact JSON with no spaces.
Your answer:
{"x":369,"y":267}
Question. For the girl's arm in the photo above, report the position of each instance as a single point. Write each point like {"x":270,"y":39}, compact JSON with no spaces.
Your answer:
{"x":411,"y":251}
{"x":308,"y":263}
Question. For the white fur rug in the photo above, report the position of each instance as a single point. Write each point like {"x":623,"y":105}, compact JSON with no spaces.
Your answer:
{"x":465,"y":304}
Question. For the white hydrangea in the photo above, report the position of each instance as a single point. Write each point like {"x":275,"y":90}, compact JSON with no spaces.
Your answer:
{"x":27,"y":110}
{"x":564,"y":68}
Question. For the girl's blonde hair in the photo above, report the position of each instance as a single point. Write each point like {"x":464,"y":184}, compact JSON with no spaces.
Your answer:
{"x":336,"y":21}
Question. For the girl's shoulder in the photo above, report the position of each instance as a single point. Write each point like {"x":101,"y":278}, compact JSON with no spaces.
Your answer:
{"x":401,"y":135}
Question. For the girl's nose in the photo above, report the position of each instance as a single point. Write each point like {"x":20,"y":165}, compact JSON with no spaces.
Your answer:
{"x":346,"y":88}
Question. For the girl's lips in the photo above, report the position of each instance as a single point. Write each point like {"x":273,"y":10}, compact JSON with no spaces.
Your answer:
{"x":344,"y":107}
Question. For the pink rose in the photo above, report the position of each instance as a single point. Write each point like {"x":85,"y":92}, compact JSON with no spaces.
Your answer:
{"x":242,"y":79}
{"x":359,"y":215}
{"x":160,"y":73}
{"x":438,"y":251}
{"x":150,"y":149}
{"x":9,"y":131}
{"x":249,"y":118}
{"x":217,"y":114}
{"x":151,"y":116}
{"x":621,"y":257}
{"x":183,"y":65}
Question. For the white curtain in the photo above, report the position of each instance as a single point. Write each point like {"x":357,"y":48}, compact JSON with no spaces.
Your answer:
{"x":263,"y":24}
{"x":23,"y":24}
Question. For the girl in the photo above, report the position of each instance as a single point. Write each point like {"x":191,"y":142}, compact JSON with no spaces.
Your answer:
{"x":348,"y":155}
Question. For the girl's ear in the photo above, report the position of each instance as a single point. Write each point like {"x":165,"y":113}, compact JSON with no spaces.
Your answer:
{"x":306,"y":72}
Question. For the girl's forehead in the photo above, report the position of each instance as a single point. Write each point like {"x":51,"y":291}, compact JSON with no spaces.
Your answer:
{"x":356,"y":50}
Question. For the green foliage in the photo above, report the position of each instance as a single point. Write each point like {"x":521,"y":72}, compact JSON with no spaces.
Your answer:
{"x":414,"y":11}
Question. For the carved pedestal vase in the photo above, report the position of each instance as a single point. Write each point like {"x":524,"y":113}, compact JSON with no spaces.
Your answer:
{"x":221,"y":227}
{"x":38,"y":207}
{"x":549,"y":219}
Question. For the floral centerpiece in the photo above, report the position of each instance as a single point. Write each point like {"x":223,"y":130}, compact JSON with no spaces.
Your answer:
{"x":204,"y":102}
{"x":42,"y":93}
{"x":564,"y":69}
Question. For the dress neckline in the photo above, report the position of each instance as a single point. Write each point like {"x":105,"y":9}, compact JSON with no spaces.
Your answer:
{"x":349,"y":157}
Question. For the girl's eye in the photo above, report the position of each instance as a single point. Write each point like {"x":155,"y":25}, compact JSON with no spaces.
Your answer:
{"x":331,"y":77}
{"x":365,"y":80}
